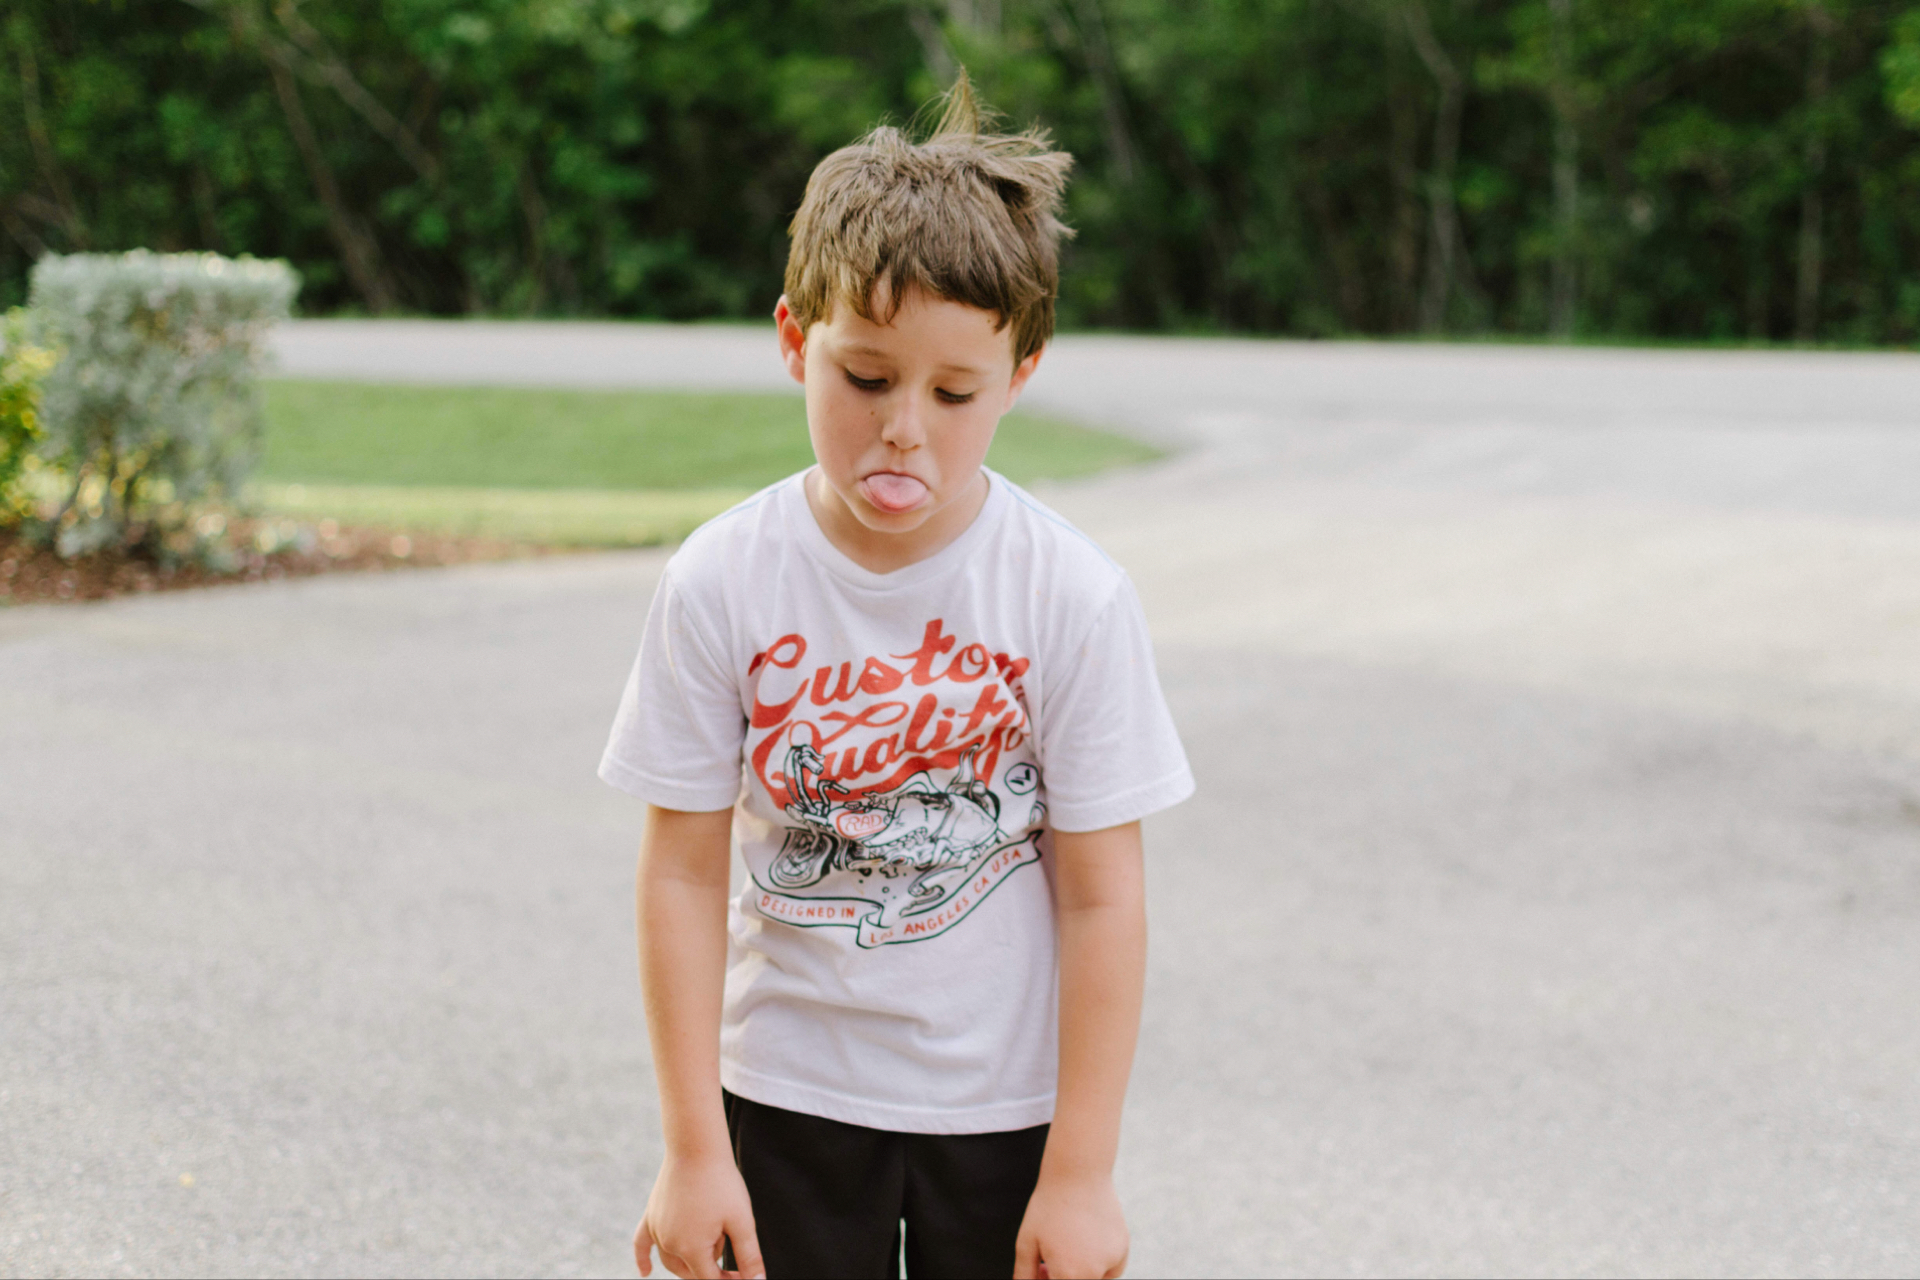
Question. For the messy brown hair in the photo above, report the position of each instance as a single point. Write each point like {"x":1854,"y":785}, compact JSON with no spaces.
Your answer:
{"x":969,"y":216}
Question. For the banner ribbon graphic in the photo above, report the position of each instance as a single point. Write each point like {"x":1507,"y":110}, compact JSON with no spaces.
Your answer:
{"x":877,"y":924}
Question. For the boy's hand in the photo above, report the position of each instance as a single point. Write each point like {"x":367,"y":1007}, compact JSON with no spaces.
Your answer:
{"x":694,"y":1208}
{"x":1074,"y":1230}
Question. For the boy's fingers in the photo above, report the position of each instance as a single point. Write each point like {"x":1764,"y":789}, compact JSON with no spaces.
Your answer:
{"x":643,"y":1248}
{"x":746,"y":1250}
{"x":1026,"y":1258}
{"x":696,"y":1267}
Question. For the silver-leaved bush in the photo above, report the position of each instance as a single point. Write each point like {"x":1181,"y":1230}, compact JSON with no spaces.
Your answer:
{"x":152,"y":414}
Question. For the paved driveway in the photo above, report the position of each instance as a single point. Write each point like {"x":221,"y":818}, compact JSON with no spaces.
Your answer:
{"x":1550,"y":905}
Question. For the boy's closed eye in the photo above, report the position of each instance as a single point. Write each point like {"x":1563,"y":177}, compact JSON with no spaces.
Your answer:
{"x":880,"y":384}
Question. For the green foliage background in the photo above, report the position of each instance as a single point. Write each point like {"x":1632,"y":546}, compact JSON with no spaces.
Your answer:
{"x":1721,"y":170}
{"x":23,"y":367}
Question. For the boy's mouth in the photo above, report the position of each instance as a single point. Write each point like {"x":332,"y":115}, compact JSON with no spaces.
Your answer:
{"x":893,"y":493}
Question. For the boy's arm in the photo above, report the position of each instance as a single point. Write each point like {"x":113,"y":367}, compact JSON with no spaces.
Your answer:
{"x":681,"y":899}
{"x":1074,"y":1226}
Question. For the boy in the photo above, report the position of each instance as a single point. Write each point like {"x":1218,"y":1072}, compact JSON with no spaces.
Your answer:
{"x":925,"y":709}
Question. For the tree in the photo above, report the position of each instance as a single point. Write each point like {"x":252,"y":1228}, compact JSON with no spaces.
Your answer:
{"x":1717,"y":170}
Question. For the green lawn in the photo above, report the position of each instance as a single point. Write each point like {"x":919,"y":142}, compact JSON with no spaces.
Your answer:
{"x":575,"y":467}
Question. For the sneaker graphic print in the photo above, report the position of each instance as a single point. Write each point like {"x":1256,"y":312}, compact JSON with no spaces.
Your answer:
{"x":886,"y":772}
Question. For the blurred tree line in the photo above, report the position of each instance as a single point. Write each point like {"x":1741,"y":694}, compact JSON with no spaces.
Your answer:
{"x":1698,"y":169}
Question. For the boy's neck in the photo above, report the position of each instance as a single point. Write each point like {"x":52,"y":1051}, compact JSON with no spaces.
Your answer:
{"x":879,"y":552}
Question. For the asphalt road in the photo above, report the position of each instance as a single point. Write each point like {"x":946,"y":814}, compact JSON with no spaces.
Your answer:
{"x":1549,"y":906}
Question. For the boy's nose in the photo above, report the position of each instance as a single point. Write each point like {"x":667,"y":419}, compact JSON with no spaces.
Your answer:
{"x":906,"y":426}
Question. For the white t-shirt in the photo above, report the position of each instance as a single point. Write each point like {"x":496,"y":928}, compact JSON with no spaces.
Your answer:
{"x":896,"y":746}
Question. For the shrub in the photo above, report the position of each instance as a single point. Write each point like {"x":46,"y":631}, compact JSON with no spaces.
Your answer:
{"x":22,"y":367}
{"x":152,"y":413}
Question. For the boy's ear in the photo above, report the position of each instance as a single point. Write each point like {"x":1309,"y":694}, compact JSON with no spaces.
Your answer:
{"x":1021,"y":373}
{"x":793,"y":340}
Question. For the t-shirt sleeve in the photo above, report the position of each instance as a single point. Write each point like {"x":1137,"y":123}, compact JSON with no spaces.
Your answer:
{"x":1108,"y":748}
{"x":677,"y":736}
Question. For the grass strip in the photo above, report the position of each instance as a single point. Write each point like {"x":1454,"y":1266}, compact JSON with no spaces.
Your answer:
{"x":349,"y":433}
{"x":551,"y":517}
{"x":569,"y":467}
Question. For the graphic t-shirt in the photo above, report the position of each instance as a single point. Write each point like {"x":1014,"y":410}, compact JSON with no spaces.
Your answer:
{"x":896,"y":748}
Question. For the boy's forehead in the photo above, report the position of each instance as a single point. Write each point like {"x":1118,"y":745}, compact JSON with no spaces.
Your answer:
{"x":961,"y":336}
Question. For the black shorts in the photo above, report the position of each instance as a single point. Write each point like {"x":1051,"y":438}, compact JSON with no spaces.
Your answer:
{"x":832,"y":1199}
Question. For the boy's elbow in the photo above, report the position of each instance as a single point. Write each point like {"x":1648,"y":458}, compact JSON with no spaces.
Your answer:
{"x":1102,"y":870}
{"x":686,"y":846}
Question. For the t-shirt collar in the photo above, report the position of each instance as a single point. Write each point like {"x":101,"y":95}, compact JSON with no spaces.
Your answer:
{"x":803,"y":526}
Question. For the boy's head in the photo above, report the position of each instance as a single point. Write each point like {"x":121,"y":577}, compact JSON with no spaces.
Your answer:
{"x":919,"y":295}
{"x":966,"y":216}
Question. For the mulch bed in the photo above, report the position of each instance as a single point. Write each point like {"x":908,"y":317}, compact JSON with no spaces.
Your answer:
{"x":35,"y":575}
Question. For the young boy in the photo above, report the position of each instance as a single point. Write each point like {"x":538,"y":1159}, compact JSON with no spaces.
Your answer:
{"x":924,"y":709}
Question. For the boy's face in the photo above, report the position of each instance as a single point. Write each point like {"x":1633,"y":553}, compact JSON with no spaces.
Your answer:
{"x":901,"y":415}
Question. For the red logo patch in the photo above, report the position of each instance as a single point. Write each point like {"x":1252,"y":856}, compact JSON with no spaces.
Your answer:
{"x":855,"y":823}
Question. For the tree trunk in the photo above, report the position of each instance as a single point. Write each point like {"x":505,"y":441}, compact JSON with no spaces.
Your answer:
{"x":1349,"y":278}
{"x":933,"y":44}
{"x":1806,"y":309}
{"x":978,"y":18}
{"x":1403,"y":251}
{"x":308,"y":56}
{"x":43,"y":151}
{"x":1444,"y":225}
{"x":19,"y":232}
{"x":358,"y":254}
{"x":1565,"y":302}
{"x":534,"y":209}
{"x":1106,"y":76}
{"x":206,"y":204}
{"x":329,"y":68}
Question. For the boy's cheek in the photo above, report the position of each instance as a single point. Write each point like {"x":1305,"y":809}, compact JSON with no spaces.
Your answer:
{"x":826,"y":410}
{"x":839,"y":437}
{"x":971,"y":437}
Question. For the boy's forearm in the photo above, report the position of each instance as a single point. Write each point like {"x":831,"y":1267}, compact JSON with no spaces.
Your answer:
{"x":681,"y":901}
{"x":1103,"y":951}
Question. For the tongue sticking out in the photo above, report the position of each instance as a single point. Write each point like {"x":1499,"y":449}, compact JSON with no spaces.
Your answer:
{"x":894,"y":494}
